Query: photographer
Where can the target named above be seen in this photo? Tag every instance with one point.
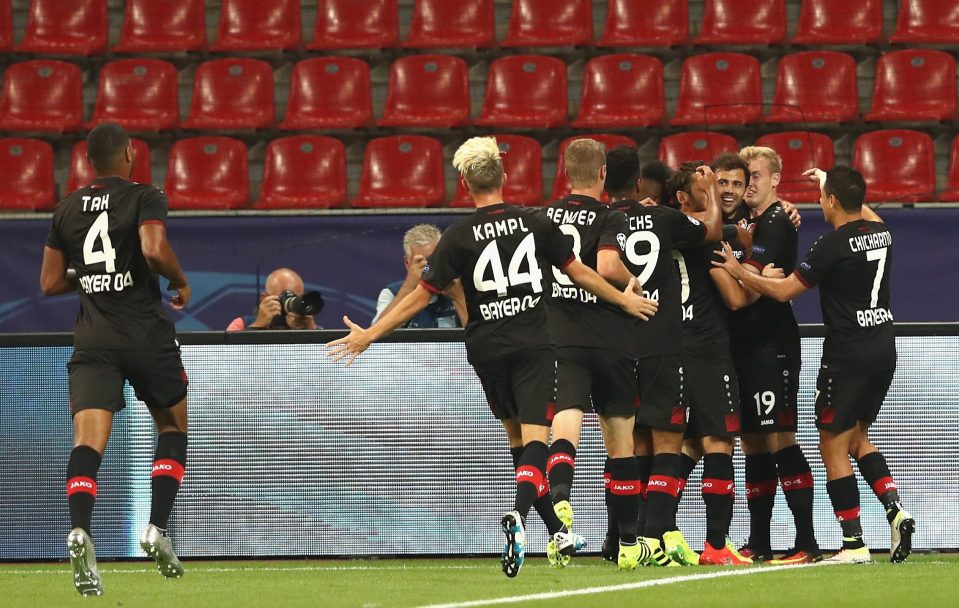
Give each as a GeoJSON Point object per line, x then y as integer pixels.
{"type": "Point", "coordinates": [284, 291]}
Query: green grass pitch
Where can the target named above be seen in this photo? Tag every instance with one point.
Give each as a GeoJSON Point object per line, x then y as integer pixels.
{"type": "Point", "coordinates": [925, 580]}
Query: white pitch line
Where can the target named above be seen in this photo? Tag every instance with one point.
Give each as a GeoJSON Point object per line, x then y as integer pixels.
{"type": "Point", "coordinates": [623, 587]}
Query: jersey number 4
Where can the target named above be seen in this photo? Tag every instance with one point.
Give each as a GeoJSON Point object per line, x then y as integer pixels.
{"type": "Point", "coordinates": [107, 255]}
{"type": "Point", "coordinates": [490, 261]}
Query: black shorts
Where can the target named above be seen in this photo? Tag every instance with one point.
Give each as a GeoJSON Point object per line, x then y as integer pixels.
{"type": "Point", "coordinates": [768, 391]}
{"type": "Point", "coordinates": [661, 385]}
{"type": "Point", "coordinates": [521, 385]}
{"type": "Point", "coordinates": [712, 395]}
{"type": "Point", "coordinates": [844, 399]}
{"type": "Point", "coordinates": [96, 378]}
{"type": "Point", "coordinates": [605, 378]}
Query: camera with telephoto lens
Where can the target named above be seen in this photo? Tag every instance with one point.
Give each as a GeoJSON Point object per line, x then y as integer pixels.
{"type": "Point", "coordinates": [308, 304]}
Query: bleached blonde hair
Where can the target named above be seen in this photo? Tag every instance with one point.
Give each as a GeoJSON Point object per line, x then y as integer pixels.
{"type": "Point", "coordinates": [478, 161]}
{"type": "Point", "coordinates": [772, 158]}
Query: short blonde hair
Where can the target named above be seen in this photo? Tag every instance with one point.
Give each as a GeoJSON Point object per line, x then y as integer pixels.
{"type": "Point", "coordinates": [478, 161]}
{"type": "Point", "coordinates": [421, 234]}
{"type": "Point", "coordinates": [583, 159]}
{"type": "Point", "coordinates": [772, 158]}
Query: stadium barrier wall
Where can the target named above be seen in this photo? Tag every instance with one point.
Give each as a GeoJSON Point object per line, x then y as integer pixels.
{"type": "Point", "coordinates": [293, 455]}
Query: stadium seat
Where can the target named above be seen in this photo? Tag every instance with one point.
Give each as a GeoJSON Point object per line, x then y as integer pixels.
{"type": "Point", "coordinates": [525, 91]}
{"type": "Point", "coordinates": [927, 22]}
{"type": "Point", "coordinates": [348, 24]}
{"type": "Point", "coordinates": [232, 94]}
{"type": "Point", "coordinates": [800, 150]}
{"type": "Point", "coordinates": [81, 172]}
{"type": "Point", "coordinates": [26, 167]}
{"type": "Point", "coordinates": [445, 24]}
{"type": "Point", "coordinates": [951, 193]}
{"type": "Point", "coordinates": [914, 85]}
{"type": "Point", "coordinates": [674, 150]}
{"type": "Point", "coordinates": [207, 173]}
{"type": "Point", "coordinates": [328, 93]}
{"type": "Point", "coordinates": [402, 171]}
{"type": "Point", "coordinates": [42, 95]}
{"type": "Point", "coordinates": [140, 94]}
{"type": "Point", "coordinates": [839, 22]}
{"type": "Point", "coordinates": [742, 22]}
{"type": "Point", "coordinates": [6, 26]}
{"type": "Point", "coordinates": [427, 91]}
{"type": "Point", "coordinates": [815, 86]}
{"type": "Point", "coordinates": [636, 24]}
{"type": "Point", "coordinates": [162, 26]}
{"type": "Point", "coordinates": [523, 164]}
{"type": "Point", "coordinates": [898, 165]}
{"type": "Point", "coordinates": [77, 27]}
{"type": "Point", "coordinates": [251, 25]}
{"type": "Point", "coordinates": [621, 91]}
{"type": "Point", "coordinates": [549, 23]}
{"type": "Point", "coordinates": [561, 186]}
{"type": "Point", "coordinates": [303, 172]}
{"type": "Point", "coordinates": [719, 89]}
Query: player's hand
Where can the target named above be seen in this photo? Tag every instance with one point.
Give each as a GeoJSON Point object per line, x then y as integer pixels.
{"type": "Point", "coordinates": [268, 310]}
{"type": "Point", "coordinates": [648, 202]}
{"type": "Point", "coordinates": [729, 263]}
{"type": "Point", "coordinates": [817, 175]}
{"type": "Point", "coordinates": [770, 270]}
{"type": "Point", "coordinates": [415, 270]}
{"type": "Point", "coordinates": [706, 173]}
{"type": "Point", "coordinates": [349, 346]}
{"type": "Point", "coordinates": [745, 238]}
{"type": "Point", "coordinates": [181, 299]}
{"type": "Point", "coordinates": [636, 304]}
{"type": "Point", "coordinates": [792, 212]}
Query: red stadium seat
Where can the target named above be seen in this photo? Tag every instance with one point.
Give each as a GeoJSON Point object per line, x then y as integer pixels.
{"type": "Point", "coordinates": [207, 173]}
{"type": "Point", "coordinates": [549, 23]}
{"type": "Point", "coordinates": [42, 95]}
{"type": "Point", "coordinates": [445, 24]}
{"type": "Point", "coordinates": [951, 193]}
{"type": "Point", "coordinates": [898, 165]}
{"type": "Point", "coordinates": [719, 89]}
{"type": "Point", "coordinates": [6, 26]}
{"type": "Point", "coordinates": [232, 94]}
{"type": "Point", "coordinates": [81, 172]}
{"type": "Point", "coordinates": [402, 171]}
{"type": "Point", "coordinates": [428, 91]}
{"type": "Point", "coordinates": [927, 22]}
{"type": "Point", "coordinates": [800, 150]}
{"type": "Point", "coordinates": [252, 25]}
{"type": "Point", "coordinates": [674, 150]}
{"type": "Point", "coordinates": [561, 186]}
{"type": "Point", "coordinates": [914, 85]}
{"type": "Point", "coordinates": [523, 164]}
{"type": "Point", "coordinates": [815, 86]}
{"type": "Point", "coordinates": [348, 24]}
{"type": "Point", "coordinates": [162, 26]}
{"type": "Point", "coordinates": [743, 22]}
{"type": "Point", "coordinates": [328, 93]}
{"type": "Point", "coordinates": [303, 172]}
{"type": "Point", "coordinates": [26, 175]}
{"type": "Point", "coordinates": [140, 94]}
{"type": "Point", "coordinates": [77, 27]}
{"type": "Point", "coordinates": [622, 91]}
{"type": "Point", "coordinates": [525, 91]}
{"type": "Point", "coordinates": [839, 22]}
{"type": "Point", "coordinates": [635, 24]}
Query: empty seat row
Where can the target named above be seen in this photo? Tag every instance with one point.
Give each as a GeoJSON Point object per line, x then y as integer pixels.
{"type": "Point", "coordinates": [309, 171]}
{"type": "Point", "coordinates": [619, 90]}
{"type": "Point", "coordinates": [80, 27]}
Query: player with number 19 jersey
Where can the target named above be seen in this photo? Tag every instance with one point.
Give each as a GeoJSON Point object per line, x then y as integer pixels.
{"type": "Point", "coordinates": [96, 228]}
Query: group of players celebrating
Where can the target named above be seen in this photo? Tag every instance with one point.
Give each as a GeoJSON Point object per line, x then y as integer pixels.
{"type": "Point", "coordinates": [667, 312]}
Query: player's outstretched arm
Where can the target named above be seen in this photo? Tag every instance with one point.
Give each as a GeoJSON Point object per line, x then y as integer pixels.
{"type": "Point", "coordinates": [783, 290]}
{"type": "Point", "coordinates": [159, 255]}
{"type": "Point", "coordinates": [53, 273]}
{"type": "Point", "coordinates": [609, 265]}
{"type": "Point", "coordinates": [713, 218]}
{"type": "Point", "coordinates": [628, 299]}
{"type": "Point", "coordinates": [359, 339]}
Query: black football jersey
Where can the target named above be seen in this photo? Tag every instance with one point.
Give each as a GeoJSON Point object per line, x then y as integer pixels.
{"type": "Point", "coordinates": [653, 233]}
{"type": "Point", "coordinates": [851, 266]}
{"type": "Point", "coordinates": [767, 328]}
{"type": "Point", "coordinates": [577, 317]}
{"type": "Point", "coordinates": [704, 313]}
{"type": "Point", "coordinates": [98, 230]}
{"type": "Point", "coordinates": [503, 256]}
